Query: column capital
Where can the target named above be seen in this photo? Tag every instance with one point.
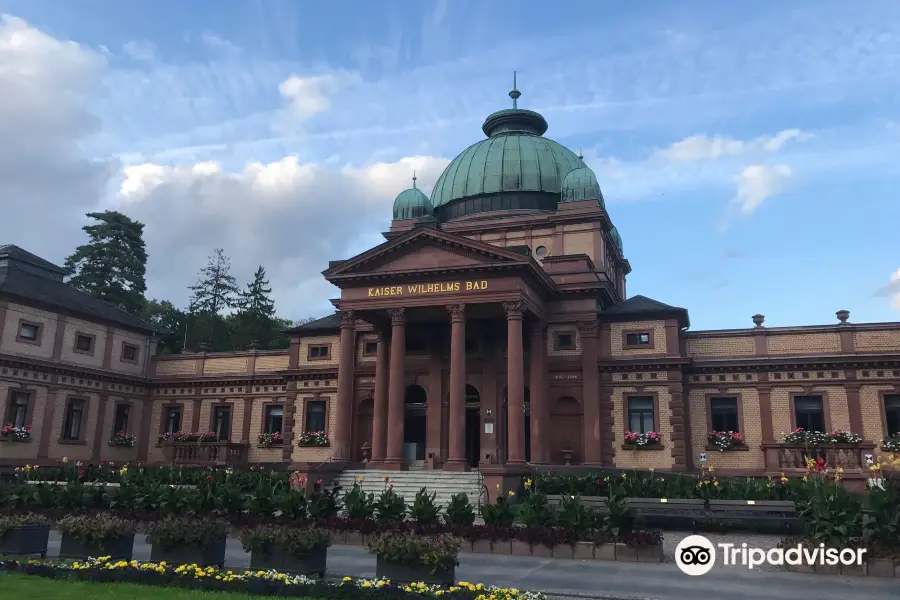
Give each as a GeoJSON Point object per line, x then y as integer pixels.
{"type": "Point", "coordinates": [348, 319]}
{"type": "Point", "coordinates": [513, 309]}
{"type": "Point", "coordinates": [589, 328]}
{"type": "Point", "coordinates": [457, 312]}
{"type": "Point", "coordinates": [398, 316]}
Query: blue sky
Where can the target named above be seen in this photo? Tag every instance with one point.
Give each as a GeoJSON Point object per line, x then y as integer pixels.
{"type": "Point", "coordinates": [747, 156]}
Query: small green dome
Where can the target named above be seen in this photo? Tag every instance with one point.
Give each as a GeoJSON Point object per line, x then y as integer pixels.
{"type": "Point", "coordinates": [412, 204]}
{"type": "Point", "coordinates": [617, 240]}
{"type": "Point", "coordinates": [581, 184]}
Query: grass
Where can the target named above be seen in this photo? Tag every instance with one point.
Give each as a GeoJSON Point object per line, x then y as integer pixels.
{"type": "Point", "coordinates": [32, 587]}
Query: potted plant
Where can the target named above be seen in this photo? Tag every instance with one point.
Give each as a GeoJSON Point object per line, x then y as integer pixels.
{"type": "Point", "coordinates": [267, 440]}
{"type": "Point", "coordinates": [24, 534]}
{"type": "Point", "coordinates": [891, 443]}
{"type": "Point", "coordinates": [187, 541]}
{"type": "Point", "coordinates": [123, 440]}
{"type": "Point", "coordinates": [300, 550]}
{"type": "Point", "coordinates": [93, 536]}
{"type": "Point", "coordinates": [16, 434]}
{"type": "Point", "coordinates": [406, 558]}
{"type": "Point", "coordinates": [725, 440]}
{"type": "Point", "coordinates": [313, 438]}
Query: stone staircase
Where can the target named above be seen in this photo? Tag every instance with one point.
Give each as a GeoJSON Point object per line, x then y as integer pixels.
{"type": "Point", "coordinates": [408, 483]}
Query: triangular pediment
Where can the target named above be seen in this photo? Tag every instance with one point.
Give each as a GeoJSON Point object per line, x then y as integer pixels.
{"type": "Point", "coordinates": [423, 250]}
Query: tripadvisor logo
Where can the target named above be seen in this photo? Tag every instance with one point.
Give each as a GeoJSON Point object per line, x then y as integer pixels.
{"type": "Point", "coordinates": [696, 555]}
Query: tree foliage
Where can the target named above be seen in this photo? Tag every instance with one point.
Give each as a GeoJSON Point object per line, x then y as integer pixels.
{"type": "Point", "coordinates": [112, 266]}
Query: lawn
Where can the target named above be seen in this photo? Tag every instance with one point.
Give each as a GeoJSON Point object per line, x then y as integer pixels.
{"type": "Point", "coordinates": [31, 587]}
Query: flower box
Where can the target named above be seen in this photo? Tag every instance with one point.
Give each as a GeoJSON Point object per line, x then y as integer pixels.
{"type": "Point", "coordinates": [123, 440]}
{"type": "Point", "coordinates": [269, 440]}
{"type": "Point", "coordinates": [210, 554]}
{"type": "Point", "coordinates": [25, 539]}
{"type": "Point", "coordinates": [404, 573]}
{"type": "Point", "coordinates": [820, 438]}
{"type": "Point", "coordinates": [274, 558]}
{"type": "Point", "coordinates": [641, 441]}
{"type": "Point", "coordinates": [185, 436]}
{"type": "Point", "coordinates": [313, 439]}
{"type": "Point", "coordinates": [723, 441]}
{"type": "Point", "coordinates": [892, 443]}
{"type": "Point", "coordinates": [118, 548]}
{"type": "Point", "coordinates": [16, 434]}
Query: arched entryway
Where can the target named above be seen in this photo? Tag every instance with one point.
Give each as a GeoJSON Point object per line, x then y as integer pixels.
{"type": "Point", "coordinates": [504, 423]}
{"type": "Point", "coordinates": [415, 426]}
{"type": "Point", "coordinates": [566, 434]}
{"type": "Point", "coordinates": [473, 425]}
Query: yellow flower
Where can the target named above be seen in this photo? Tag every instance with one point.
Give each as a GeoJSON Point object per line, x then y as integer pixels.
{"type": "Point", "coordinates": [527, 484]}
{"type": "Point", "coordinates": [366, 584]}
{"type": "Point", "coordinates": [624, 475]}
{"type": "Point", "coordinates": [498, 486]}
{"type": "Point", "coordinates": [511, 493]}
{"type": "Point", "coordinates": [652, 469]}
{"type": "Point", "coordinates": [65, 459]}
{"type": "Point", "coordinates": [716, 483]}
{"type": "Point", "coordinates": [346, 579]}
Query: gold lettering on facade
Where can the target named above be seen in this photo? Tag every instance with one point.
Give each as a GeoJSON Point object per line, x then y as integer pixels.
{"type": "Point", "coordinates": [428, 288]}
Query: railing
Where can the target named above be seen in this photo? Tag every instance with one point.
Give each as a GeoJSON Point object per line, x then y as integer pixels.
{"type": "Point", "coordinates": [207, 453]}
{"type": "Point", "coordinates": [792, 458]}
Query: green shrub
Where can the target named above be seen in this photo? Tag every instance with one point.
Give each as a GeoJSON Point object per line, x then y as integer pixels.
{"type": "Point", "coordinates": [459, 512]}
{"type": "Point", "coordinates": [439, 552]}
{"type": "Point", "coordinates": [8, 522]}
{"type": "Point", "coordinates": [424, 511]}
{"type": "Point", "coordinates": [185, 531]}
{"type": "Point", "coordinates": [296, 541]}
{"type": "Point", "coordinates": [359, 505]}
{"type": "Point", "coordinates": [95, 530]}
{"type": "Point", "coordinates": [389, 508]}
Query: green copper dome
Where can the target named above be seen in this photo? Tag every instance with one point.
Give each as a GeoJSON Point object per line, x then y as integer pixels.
{"type": "Point", "coordinates": [412, 203]}
{"type": "Point", "coordinates": [581, 184]}
{"type": "Point", "coordinates": [617, 240]}
{"type": "Point", "coordinates": [515, 168]}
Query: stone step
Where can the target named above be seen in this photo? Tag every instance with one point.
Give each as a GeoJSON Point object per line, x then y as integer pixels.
{"type": "Point", "coordinates": [443, 484]}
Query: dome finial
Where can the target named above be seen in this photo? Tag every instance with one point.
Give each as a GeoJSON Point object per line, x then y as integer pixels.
{"type": "Point", "coordinates": [514, 93]}
{"type": "Point", "coordinates": [414, 179]}
{"type": "Point", "coordinates": [580, 154]}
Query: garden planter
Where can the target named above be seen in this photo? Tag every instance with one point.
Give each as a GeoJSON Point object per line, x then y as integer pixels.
{"type": "Point", "coordinates": [213, 554]}
{"type": "Point", "coordinates": [880, 567]}
{"type": "Point", "coordinates": [355, 538]}
{"type": "Point", "coordinates": [542, 551]}
{"type": "Point", "coordinates": [119, 548]}
{"type": "Point", "coordinates": [503, 547]}
{"type": "Point", "coordinates": [26, 539]}
{"type": "Point", "coordinates": [583, 551]}
{"type": "Point", "coordinates": [312, 563]}
{"type": "Point", "coordinates": [626, 553]}
{"type": "Point", "coordinates": [400, 573]}
{"type": "Point", "coordinates": [482, 547]}
{"type": "Point", "coordinates": [649, 554]}
{"type": "Point", "coordinates": [520, 548]}
{"type": "Point", "coordinates": [563, 551]}
{"type": "Point", "coordinates": [605, 552]}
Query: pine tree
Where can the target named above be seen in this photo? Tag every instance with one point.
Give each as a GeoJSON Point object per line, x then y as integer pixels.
{"type": "Point", "coordinates": [214, 292]}
{"type": "Point", "coordinates": [255, 318]}
{"type": "Point", "coordinates": [112, 266]}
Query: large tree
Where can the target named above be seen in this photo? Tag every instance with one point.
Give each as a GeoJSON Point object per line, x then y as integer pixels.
{"type": "Point", "coordinates": [169, 323]}
{"type": "Point", "coordinates": [112, 266]}
{"type": "Point", "coordinates": [215, 291]}
{"type": "Point", "coordinates": [255, 316]}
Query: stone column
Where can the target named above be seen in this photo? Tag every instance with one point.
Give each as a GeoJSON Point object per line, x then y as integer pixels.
{"type": "Point", "coordinates": [396, 390]}
{"type": "Point", "coordinates": [515, 384]}
{"type": "Point", "coordinates": [456, 460]}
{"type": "Point", "coordinates": [344, 415]}
{"type": "Point", "coordinates": [590, 392]}
{"type": "Point", "coordinates": [540, 405]}
{"type": "Point", "coordinates": [380, 406]}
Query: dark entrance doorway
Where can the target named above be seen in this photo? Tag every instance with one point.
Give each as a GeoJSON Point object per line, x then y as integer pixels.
{"type": "Point", "coordinates": [415, 426]}
{"type": "Point", "coordinates": [473, 425]}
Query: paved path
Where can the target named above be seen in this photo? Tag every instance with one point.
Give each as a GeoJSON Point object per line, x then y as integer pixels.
{"type": "Point", "coordinates": [620, 580]}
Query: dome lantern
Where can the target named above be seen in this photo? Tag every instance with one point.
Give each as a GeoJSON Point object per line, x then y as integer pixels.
{"type": "Point", "coordinates": [412, 203]}
{"type": "Point", "coordinates": [581, 184]}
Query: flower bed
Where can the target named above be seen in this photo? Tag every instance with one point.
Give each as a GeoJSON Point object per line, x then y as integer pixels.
{"type": "Point", "coordinates": [725, 440]}
{"type": "Point", "coordinates": [640, 441]}
{"type": "Point", "coordinates": [313, 438]}
{"type": "Point", "coordinates": [263, 583]}
{"type": "Point", "coordinates": [815, 438]}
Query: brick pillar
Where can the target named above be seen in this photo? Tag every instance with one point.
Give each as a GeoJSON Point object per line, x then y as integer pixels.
{"type": "Point", "coordinates": [681, 423]}
{"type": "Point", "coordinates": [607, 447]}
{"type": "Point", "coordinates": [540, 405]}
{"type": "Point", "coordinates": [590, 392]}
{"type": "Point", "coordinates": [380, 406]}
{"type": "Point", "coordinates": [396, 390]}
{"type": "Point", "coordinates": [515, 384]}
{"type": "Point", "coordinates": [346, 359]}
{"type": "Point", "coordinates": [456, 459]}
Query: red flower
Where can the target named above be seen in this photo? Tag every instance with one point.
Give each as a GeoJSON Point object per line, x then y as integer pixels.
{"type": "Point", "coordinates": [318, 482]}
{"type": "Point", "coordinates": [81, 474]}
{"type": "Point", "coordinates": [209, 477]}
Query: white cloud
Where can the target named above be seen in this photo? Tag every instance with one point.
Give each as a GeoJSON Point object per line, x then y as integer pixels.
{"type": "Point", "coordinates": [758, 182]}
{"type": "Point", "coordinates": [705, 147]}
{"type": "Point", "coordinates": [892, 290]}
{"type": "Point", "coordinates": [215, 42]}
{"type": "Point", "coordinates": [142, 51]}
{"type": "Point", "coordinates": [308, 96]}
{"type": "Point", "coordinates": [292, 217]}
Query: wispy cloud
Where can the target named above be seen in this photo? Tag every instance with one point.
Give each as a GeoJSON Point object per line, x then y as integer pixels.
{"type": "Point", "coordinates": [220, 44]}
{"type": "Point", "coordinates": [140, 51]}
{"type": "Point", "coordinates": [703, 147]}
{"type": "Point", "coordinates": [891, 290]}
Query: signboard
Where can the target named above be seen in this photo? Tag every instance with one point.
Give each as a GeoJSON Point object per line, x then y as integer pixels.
{"type": "Point", "coordinates": [424, 289]}
{"type": "Point", "coordinates": [489, 428]}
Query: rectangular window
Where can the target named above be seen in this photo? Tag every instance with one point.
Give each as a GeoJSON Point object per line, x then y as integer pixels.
{"type": "Point", "coordinates": [84, 344]}
{"type": "Point", "coordinates": [637, 339]}
{"type": "Point", "coordinates": [892, 414]}
{"type": "Point", "coordinates": [319, 352]}
{"type": "Point", "coordinates": [29, 332]}
{"type": "Point", "coordinates": [723, 414]}
{"type": "Point", "coordinates": [274, 418]}
{"type": "Point", "coordinates": [565, 341]}
{"type": "Point", "coordinates": [129, 352]}
{"type": "Point", "coordinates": [370, 348]}
{"type": "Point", "coordinates": [640, 414]}
{"type": "Point", "coordinates": [315, 416]}
{"type": "Point", "coordinates": [17, 412]}
{"type": "Point", "coordinates": [809, 413]}
{"type": "Point", "coordinates": [120, 422]}
{"type": "Point", "coordinates": [173, 419]}
{"type": "Point", "coordinates": [74, 421]}
{"type": "Point", "coordinates": [222, 423]}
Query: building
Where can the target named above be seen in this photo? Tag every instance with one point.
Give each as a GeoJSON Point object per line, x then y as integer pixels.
{"type": "Point", "coordinates": [491, 330]}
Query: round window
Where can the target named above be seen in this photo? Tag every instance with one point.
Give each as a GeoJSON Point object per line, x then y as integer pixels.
{"type": "Point", "coordinates": [540, 251]}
